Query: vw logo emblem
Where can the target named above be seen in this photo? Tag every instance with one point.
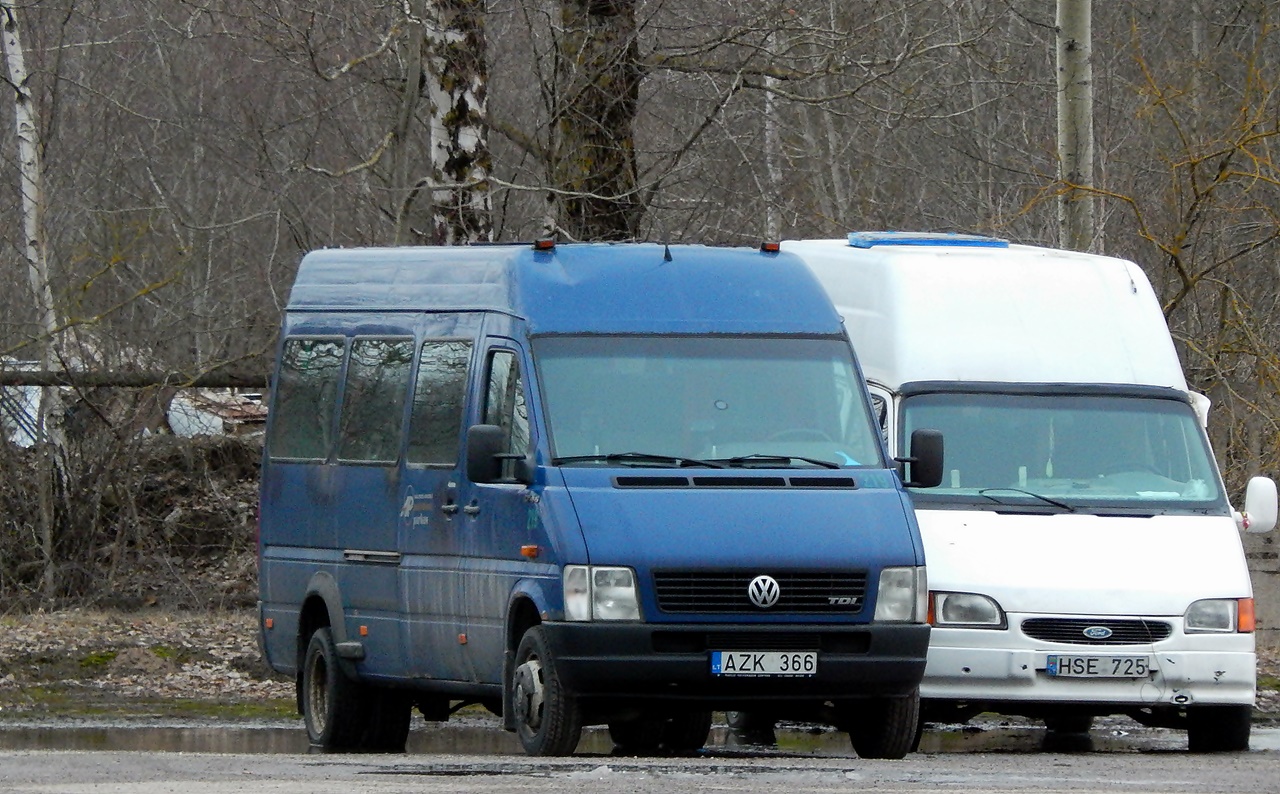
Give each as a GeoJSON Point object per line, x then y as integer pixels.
{"type": "Point", "coordinates": [1097, 632]}
{"type": "Point", "coordinates": [763, 591]}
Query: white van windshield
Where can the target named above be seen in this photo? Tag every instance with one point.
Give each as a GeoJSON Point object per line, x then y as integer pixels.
{"type": "Point", "coordinates": [686, 400]}
{"type": "Point", "coordinates": [1078, 450]}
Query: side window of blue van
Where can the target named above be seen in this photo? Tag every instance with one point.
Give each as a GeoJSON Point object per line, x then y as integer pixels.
{"type": "Point", "coordinates": [306, 398]}
{"type": "Point", "coordinates": [373, 400]}
{"type": "Point", "coordinates": [505, 405]}
{"type": "Point", "coordinates": [438, 399]}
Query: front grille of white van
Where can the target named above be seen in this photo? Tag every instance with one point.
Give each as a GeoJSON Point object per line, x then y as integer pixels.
{"type": "Point", "coordinates": [1087, 631]}
{"type": "Point", "coordinates": [721, 592]}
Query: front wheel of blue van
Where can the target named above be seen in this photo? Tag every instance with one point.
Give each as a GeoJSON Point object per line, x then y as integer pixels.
{"type": "Point", "coordinates": [884, 727]}
{"type": "Point", "coordinates": [332, 706]}
{"type": "Point", "coordinates": [548, 718]}
{"type": "Point", "coordinates": [1219, 729]}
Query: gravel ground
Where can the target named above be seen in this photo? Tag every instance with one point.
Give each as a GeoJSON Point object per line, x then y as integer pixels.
{"type": "Point", "coordinates": [70, 662]}
{"type": "Point", "coordinates": [63, 661]}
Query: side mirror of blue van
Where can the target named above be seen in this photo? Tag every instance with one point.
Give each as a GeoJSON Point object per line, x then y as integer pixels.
{"type": "Point", "coordinates": [485, 444]}
{"type": "Point", "coordinates": [486, 455]}
{"type": "Point", "coordinates": [925, 460]}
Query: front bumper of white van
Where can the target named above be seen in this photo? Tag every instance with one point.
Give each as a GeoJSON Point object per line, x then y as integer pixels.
{"type": "Point", "coordinates": [994, 667]}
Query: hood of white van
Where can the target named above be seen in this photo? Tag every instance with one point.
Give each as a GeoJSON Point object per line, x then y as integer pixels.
{"type": "Point", "coordinates": [1078, 564]}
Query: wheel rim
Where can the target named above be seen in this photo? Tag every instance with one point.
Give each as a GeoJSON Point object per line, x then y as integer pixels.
{"type": "Point", "coordinates": [318, 694]}
{"type": "Point", "coordinates": [528, 694]}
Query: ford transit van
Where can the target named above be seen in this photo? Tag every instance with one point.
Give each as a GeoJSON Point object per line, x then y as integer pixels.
{"type": "Point", "coordinates": [1084, 559]}
{"type": "Point", "coordinates": [583, 484]}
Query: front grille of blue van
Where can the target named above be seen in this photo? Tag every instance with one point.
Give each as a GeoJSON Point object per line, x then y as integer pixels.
{"type": "Point", "coordinates": [726, 592]}
{"type": "Point", "coordinates": [1073, 630]}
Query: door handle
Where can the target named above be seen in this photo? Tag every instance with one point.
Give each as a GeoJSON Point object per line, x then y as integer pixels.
{"type": "Point", "coordinates": [472, 509]}
{"type": "Point", "coordinates": [449, 508]}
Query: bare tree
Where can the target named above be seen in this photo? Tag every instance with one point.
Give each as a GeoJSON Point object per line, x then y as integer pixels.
{"type": "Point", "coordinates": [458, 87]}
{"type": "Point", "coordinates": [1075, 123]}
{"type": "Point", "coordinates": [48, 434]}
{"type": "Point", "coordinates": [593, 161]}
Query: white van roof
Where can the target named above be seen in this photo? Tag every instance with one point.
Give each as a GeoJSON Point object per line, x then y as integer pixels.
{"type": "Point", "coordinates": [929, 307]}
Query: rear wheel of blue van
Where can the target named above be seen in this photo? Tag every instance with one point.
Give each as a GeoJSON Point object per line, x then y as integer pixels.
{"type": "Point", "coordinates": [343, 714]}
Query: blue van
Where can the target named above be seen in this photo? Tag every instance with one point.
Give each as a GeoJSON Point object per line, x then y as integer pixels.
{"type": "Point", "coordinates": [583, 484]}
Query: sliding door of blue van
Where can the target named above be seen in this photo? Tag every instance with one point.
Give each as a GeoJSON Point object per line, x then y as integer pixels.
{"type": "Point", "coordinates": [431, 522]}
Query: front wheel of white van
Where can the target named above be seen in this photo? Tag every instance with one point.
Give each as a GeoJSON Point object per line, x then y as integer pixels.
{"type": "Point", "coordinates": [1219, 729]}
{"type": "Point", "coordinates": [885, 727]}
{"type": "Point", "coordinates": [332, 706]}
{"type": "Point", "coordinates": [548, 719]}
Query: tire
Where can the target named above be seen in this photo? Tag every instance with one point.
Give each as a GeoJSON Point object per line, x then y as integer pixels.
{"type": "Point", "coordinates": [748, 721]}
{"type": "Point", "coordinates": [636, 735]}
{"type": "Point", "coordinates": [683, 732]}
{"type": "Point", "coordinates": [1069, 723]}
{"type": "Point", "coordinates": [752, 728]}
{"type": "Point", "coordinates": [1219, 729]}
{"type": "Point", "coordinates": [919, 734]}
{"type": "Point", "coordinates": [885, 727]}
{"type": "Point", "coordinates": [547, 718]}
{"type": "Point", "coordinates": [333, 707]}
{"type": "Point", "coordinates": [387, 722]}
{"type": "Point", "coordinates": [686, 732]}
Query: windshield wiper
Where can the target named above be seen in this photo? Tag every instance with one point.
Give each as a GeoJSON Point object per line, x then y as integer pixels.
{"type": "Point", "coordinates": [1041, 497]}
{"type": "Point", "coordinates": [761, 457]}
{"type": "Point", "coordinates": [638, 459]}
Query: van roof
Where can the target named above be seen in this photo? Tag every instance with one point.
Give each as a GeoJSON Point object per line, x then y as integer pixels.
{"type": "Point", "coordinates": [577, 288]}
{"type": "Point", "coordinates": [927, 307]}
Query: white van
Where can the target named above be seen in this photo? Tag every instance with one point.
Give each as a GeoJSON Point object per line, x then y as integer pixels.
{"type": "Point", "coordinates": [1083, 557]}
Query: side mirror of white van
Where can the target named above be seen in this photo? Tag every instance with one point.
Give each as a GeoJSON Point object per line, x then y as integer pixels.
{"type": "Point", "coordinates": [1259, 506]}
{"type": "Point", "coordinates": [925, 460]}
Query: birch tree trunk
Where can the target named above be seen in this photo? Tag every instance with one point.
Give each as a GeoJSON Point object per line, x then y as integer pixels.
{"type": "Point", "coordinates": [460, 160]}
{"type": "Point", "coordinates": [1075, 124]}
{"type": "Point", "coordinates": [48, 430]}
{"type": "Point", "coordinates": [773, 185]}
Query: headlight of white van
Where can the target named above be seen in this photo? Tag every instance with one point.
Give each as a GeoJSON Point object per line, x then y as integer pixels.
{"type": "Point", "coordinates": [903, 595]}
{"type": "Point", "coordinates": [968, 610]}
{"type": "Point", "coordinates": [597, 592]}
{"type": "Point", "coordinates": [1210, 615]}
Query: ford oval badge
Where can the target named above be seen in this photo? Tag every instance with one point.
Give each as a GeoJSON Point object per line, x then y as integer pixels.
{"type": "Point", "coordinates": [1097, 632]}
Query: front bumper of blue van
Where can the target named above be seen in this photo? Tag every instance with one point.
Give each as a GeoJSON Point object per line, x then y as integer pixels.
{"type": "Point", "coordinates": [673, 661]}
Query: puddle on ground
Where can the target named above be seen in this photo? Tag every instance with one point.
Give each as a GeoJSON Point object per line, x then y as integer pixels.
{"type": "Point", "coordinates": [486, 739]}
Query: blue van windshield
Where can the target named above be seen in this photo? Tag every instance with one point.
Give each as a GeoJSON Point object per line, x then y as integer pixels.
{"type": "Point", "coordinates": [737, 401]}
{"type": "Point", "coordinates": [1080, 450]}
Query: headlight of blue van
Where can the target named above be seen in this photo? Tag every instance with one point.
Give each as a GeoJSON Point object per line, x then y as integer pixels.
{"type": "Point", "coordinates": [903, 595]}
{"type": "Point", "coordinates": [598, 592]}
